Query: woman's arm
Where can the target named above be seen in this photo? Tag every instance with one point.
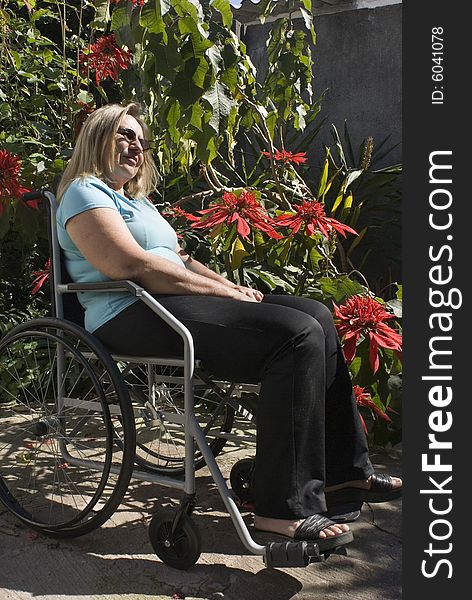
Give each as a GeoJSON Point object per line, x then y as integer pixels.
{"type": "Point", "coordinates": [107, 244]}
{"type": "Point", "coordinates": [197, 267]}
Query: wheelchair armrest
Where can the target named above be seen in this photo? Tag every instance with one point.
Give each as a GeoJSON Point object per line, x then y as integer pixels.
{"type": "Point", "coordinates": [124, 285]}
{"type": "Point", "coordinates": [33, 195]}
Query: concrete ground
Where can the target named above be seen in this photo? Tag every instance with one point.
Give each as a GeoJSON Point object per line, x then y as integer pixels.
{"type": "Point", "coordinates": [117, 561]}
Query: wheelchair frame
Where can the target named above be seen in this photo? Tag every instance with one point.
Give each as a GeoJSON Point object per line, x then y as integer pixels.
{"type": "Point", "coordinates": [167, 530]}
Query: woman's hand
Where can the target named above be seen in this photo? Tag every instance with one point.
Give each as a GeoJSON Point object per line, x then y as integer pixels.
{"type": "Point", "coordinates": [240, 292]}
{"type": "Point", "coordinates": [251, 295]}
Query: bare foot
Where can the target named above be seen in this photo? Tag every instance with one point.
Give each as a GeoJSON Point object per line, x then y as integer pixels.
{"type": "Point", "coordinates": [362, 484]}
{"type": "Point", "coordinates": [288, 527]}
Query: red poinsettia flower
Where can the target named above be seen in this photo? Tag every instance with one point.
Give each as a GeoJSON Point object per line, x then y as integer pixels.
{"type": "Point", "coordinates": [105, 58]}
{"type": "Point", "coordinates": [41, 276]}
{"type": "Point", "coordinates": [310, 217]}
{"type": "Point", "coordinates": [10, 187]}
{"type": "Point", "coordinates": [362, 315]}
{"type": "Point", "coordinates": [244, 210]}
{"type": "Point", "coordinates": [288, 157]}
{"type": "Point", "coordinates": [176, 211]}
{"type": "Point", "coordinates": [363, 398]}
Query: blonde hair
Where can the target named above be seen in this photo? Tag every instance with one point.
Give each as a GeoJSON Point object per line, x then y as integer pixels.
{"type": "Point", "coordinates": [94, 152]}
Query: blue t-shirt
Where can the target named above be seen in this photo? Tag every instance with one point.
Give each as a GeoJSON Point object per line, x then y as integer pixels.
{"type": "Point", "coordinates": [152, 232]}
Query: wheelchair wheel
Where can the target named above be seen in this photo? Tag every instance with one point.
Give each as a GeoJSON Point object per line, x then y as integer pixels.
{"type": "Point", "coordinates": [160, 443]}
{"type": "Point", "coordinates": [60, 392]}
{"type": "Point", "coordinates": [180, 548]}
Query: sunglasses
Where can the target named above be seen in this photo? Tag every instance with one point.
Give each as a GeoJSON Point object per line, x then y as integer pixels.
{"type": "Point", "coordinates": [131, 137]}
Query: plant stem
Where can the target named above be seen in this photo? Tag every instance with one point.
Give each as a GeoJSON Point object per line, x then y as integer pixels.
{"type": "Point", "coordinates": [270, 144]}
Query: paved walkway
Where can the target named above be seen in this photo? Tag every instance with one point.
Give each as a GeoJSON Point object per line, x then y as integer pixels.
{"type": "Point", "coordinates": [117, 561]}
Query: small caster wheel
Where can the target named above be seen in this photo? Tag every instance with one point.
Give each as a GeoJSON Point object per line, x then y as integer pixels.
{"type": "Point", "coordinates": [242, 478]}
{"type": "Point", "coordinates": [180, 550]}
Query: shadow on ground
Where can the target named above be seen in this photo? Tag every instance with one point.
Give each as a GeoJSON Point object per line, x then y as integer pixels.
{"type": "Point", "coordinates": [118, 561]}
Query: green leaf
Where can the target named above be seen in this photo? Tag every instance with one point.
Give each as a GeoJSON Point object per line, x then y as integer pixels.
{"type": "Point", "coordinates": [348, 201]}
{"type": "Point", "coordinates": [238, 254]}
{"type": "Point", "coordinates": [192, 8]}
{"type": "Point", "coordinates": [4, 17]}
{"type": "Point", "coordinates": [307, 5]}
{"type": "Point", "coordinates": [173, 116]}
{"type": "Point", "coordinates": [224, 8]}
{"type": "Point", "coordinates": [5, 110]}
{"type": "Point", "coordinates": [205, 144]}
{"type": "Point", "coordinates": [299, 117]}
{"type": "Point", "coordinates": [221, 105]}
{"type": "Point", "coordinates": [214, 56]}
{"type": "Point", "coordinates": [274, 281]}
{"type": "Point", "coordinates": [231, 235]}
{"type": "Point", "coordinates": [85, 97]}
{"type": "Point", "coordinates": [184, 89]}
{"type": "Point", "coordinates": [16, 58]}
{"type": "Point", "coordinates": [229, 77]}
{"type": "Point", "coordinates": [324, 177]}
{"type": "Point", "coordinates": [271, 122]}
{"type": "Point", "coordinates": [196, 117]}
{"type": "Point", "coordinates": [247, 120]}
{"type": "Point", "coordinates": [164, 6]}
{"type": "Point", "coordinates": [340, 287]}
{"type": "Point", "coordinates": [196, 69]}
{"type": "Point", "coordinates": [167, 58]}
{"type": "Point", "coordinates": [102, 15]}
{"type": "Point", "coordinates": [151, 19]}
{"type": "Point", "coordinates": [315, 257]}
{"type": "Point", "coordinates": [355, 366]}
{"type": "Point", "coordinates": [396, 306]}
{"type": "Point", "coordinates": [120, 17]}
{"type": "Point", "coordinates": [338, 200]}
{"type": "Point", "coordinates": [353, 175]}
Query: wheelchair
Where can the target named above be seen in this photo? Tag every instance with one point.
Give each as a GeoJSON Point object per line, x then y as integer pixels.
{"type": "Point", "coordinates": [77, 423]}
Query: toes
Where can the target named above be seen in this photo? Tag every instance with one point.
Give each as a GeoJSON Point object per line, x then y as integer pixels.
{"type": "Point", "coordinates": [397, 482]}
{"type": "Point", "coordinates": [333, 530]}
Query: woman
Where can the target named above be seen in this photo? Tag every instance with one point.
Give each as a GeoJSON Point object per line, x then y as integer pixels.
{"type": "Point", "coordinates": [311, 448]}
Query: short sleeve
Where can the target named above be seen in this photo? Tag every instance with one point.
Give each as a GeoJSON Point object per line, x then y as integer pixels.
{"type": "Point", "coordinates": [83, 195]}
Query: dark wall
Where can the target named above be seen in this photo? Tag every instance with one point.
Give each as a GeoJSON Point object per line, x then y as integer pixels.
{"type": "Point", "coordinates": [358, 59]}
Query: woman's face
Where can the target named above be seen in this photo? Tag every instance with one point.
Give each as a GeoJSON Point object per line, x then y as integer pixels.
{"type": "Point", "coordinates": [129, 154]}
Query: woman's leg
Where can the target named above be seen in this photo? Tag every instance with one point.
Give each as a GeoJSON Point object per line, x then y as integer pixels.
{"type": "Point", "coordinates": [347, 453]}
{"type": "Point", "coordinates": [280, 346]}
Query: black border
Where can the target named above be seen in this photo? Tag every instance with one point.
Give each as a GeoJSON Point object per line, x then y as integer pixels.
{"type": "Point", "coordinates": [427, 128]}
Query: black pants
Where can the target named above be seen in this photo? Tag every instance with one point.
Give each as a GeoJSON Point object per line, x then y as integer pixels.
{"type": "Point", "coordinates": [308, 428]}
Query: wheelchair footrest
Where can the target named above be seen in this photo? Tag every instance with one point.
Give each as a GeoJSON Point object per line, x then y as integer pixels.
{"type": "Point", "coordinates": [292, 554]}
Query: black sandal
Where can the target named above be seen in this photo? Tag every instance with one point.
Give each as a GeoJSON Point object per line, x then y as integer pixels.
{"type": "Point", "coordinates": [309, 530]}
{"type": "Point", "coordinates": [381, 490]}
{"type": "Point", "coordinates": [344, 513]}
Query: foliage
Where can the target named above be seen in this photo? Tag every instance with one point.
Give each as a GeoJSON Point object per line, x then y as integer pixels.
{"type": "Point", "coordinates": [42, 94]}
{"type": "Point", "coordinates": [374, 206]}
{"type": "Point", "coordinates": [196, 80]}
{"type": "Point", "coordinates": [41, 86]}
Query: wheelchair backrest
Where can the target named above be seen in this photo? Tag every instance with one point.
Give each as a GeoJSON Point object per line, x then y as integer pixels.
{"type": "Point", "coordinates": [67, 305]}
{"type": "Point", "coordinates": [72, 309]}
